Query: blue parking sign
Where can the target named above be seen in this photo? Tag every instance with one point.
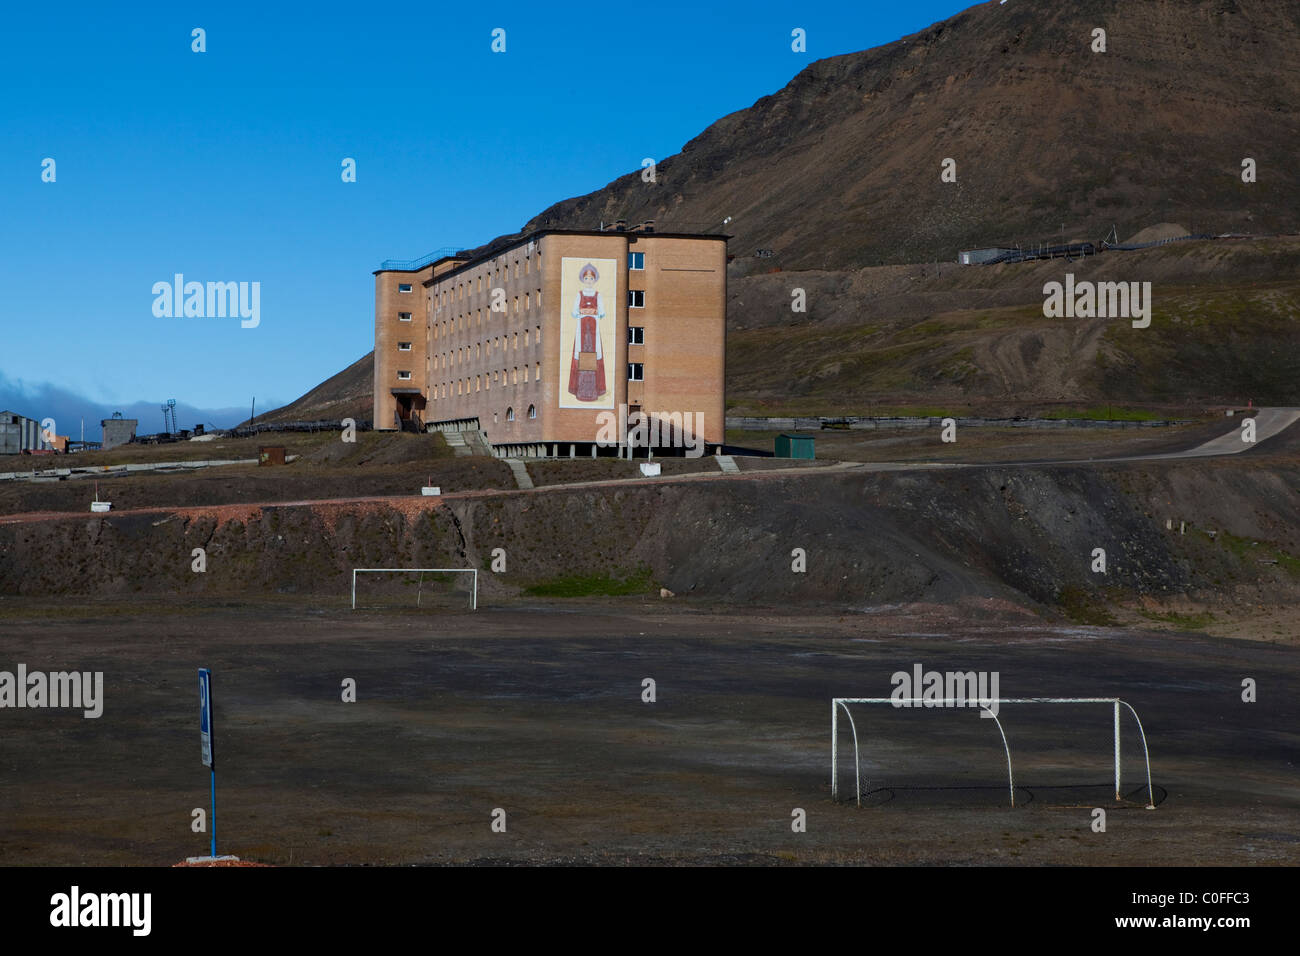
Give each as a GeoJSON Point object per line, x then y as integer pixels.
{"type": "Point", "coordinates": [205, 717]}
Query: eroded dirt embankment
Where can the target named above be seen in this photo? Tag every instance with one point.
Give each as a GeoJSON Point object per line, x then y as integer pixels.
{"type": "Point", "coordinates": [1024, 534]}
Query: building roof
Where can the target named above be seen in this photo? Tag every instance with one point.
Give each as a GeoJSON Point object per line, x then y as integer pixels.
{"type": "Point", "coordinates": [466, 262]}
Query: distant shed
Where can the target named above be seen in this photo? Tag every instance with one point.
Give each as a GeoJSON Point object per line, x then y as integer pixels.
{"type": "Point", "coordinates": [975, 257]}
{"type": "Point", "coordinates": [271, 455]}
{"type": "Point", "coordinates": [795, 446]}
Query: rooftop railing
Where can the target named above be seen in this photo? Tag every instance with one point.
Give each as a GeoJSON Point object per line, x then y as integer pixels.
{"type": "Point", "coordinates": [411, 265]}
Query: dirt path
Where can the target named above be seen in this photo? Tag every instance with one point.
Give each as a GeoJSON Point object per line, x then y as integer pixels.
{"type": "Point", "coordinates": [1269, 423]}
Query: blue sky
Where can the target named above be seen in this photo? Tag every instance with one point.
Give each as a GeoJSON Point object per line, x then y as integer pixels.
{"type": "Point", "coordinates": [225, 165]}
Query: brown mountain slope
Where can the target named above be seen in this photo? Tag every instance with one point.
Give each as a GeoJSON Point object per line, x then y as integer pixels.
{"type": "Point", "coordinates": [841, 168]}
{"type": "Point", "coordinates": [349, 394]}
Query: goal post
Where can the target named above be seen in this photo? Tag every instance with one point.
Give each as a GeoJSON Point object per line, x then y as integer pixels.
{"type": "Point", "coordinates": [473, 598]}
{"type": "Point", "coordinates": [838, 703]}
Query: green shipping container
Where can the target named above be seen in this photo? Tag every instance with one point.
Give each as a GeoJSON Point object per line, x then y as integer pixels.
{"type": "Point", "coordinates": [795, 446]}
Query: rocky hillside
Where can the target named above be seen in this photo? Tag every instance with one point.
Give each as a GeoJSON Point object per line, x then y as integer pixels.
{"type": "Point", "coordinates": [841, 168]}
{"type": "Point", "coordinates": [349, 394]}
{"type": "Point", "coordinates": [1019, 534]}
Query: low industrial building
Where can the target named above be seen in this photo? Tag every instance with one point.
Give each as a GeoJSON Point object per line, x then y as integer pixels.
{"type": "Point", "coordinates": [117, 431]}
{"type": "Point", "coordinates": [18, 434]}
{"type": "Point", "coordinates": [543, 344]}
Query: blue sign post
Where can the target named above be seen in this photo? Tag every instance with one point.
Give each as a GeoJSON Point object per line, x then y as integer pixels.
{"type": "Point", "coordinates": [208, 753]}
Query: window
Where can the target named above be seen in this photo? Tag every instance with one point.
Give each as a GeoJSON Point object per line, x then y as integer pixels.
{"type": "Point", "coordinates": [635, 335]}
{"type": "Point", "coordinates": [636, 298]}
{"type": "Point", "coordinates": [532, 411]}
{"type": "Point", "coordinates": [403, 346]}
{"type": "Point", "coordinates": [404, 316]}
{"type": "Point", "coordinates": [635, 372]}
{"type": "Point", "coordinates": [404, 376]}
{"type": "Point", "coordinates": [636, 260]}
{"type": "Point", "coordinates": [404, 287]}
{"type": "Point", "coordinates": [510, 414]}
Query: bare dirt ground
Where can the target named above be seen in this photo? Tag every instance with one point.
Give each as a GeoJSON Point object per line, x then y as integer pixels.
{"type": "Point", "coordinates": [538, 710]}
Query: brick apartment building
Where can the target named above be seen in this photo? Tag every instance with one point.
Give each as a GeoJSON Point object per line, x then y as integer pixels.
{"type": "Point", "coordinates": [530, 343]}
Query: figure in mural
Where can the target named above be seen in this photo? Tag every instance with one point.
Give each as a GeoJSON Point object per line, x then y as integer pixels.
{"type": "Point", "coordinates": [587, 369]}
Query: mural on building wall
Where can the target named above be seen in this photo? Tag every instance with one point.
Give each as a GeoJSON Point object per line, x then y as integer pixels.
{"type": "Point", "coordinates": [588, 314]}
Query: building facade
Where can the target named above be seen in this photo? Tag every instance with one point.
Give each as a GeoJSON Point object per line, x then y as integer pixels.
{"type": "Point", "coordinates": [542, 344]}
{"type": "Point", "coordinates": [117, 431]}
{"type": "Point", "coordinates": [18, 434]}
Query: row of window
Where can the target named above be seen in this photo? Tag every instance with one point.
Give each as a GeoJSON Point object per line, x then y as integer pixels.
{"type": "Point", "coordinates": [635, 336]}
{"type": "Point", "coordinates": [635, 261]}
{"type": "Point", "coordinates": [459, 290]}
{"type": "Point", "coordinates": [635, 373]}
{"type": "Point", "coordinates": [457, 356]}
{"type": "Point", "coordinates": [510, 413]}
{"type": "Point", "coordinates": [511, 308]}
{"type": "Point", "coordinates": [635, 300]}
{"type": "Point", "coordinates": [484, 381]}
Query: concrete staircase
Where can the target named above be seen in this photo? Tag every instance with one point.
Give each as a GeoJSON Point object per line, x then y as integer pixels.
{"type": "Point", "coordinates": [467, 443]}
{"type": "Point", "coordinates": [474, 441]}
{"type": "Point", "coordinates": [727, 464]}
{"type": "Point", "coordinates": [456, 442]}
{"type": "Point", "coordinates": [520, 471]}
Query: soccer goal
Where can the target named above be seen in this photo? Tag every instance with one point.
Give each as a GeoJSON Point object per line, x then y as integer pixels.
{"type": "Point", "coordinates": [417, 587]}
{"type": "Point", "coordinates": [842, 703]}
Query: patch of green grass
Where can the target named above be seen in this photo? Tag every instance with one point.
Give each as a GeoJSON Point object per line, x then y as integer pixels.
{"type": "Point", "coordinates": [1082, 608]}
{"type": "Point", "coordinates": [1244, 549]}
{"type": "Point", "coordinates": [1184, 622]}
{"type": "Point", "coordinates": [593, 585]}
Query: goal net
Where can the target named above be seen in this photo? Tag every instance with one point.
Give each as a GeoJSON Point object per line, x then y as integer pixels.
{"type": "Point", "coordinates": [415, 588]}
{"type": "Point", "coordinates": [842, 706]}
